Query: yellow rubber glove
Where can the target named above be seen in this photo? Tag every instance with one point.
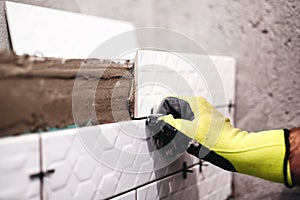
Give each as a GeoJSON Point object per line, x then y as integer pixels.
{"type": "Point", "coordinates": [263, 154]}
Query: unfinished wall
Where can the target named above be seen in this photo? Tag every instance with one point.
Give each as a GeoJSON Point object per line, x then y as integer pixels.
{"type": "Point", "coordinates": [51, 96]}
{"type": "Point", "coordinates": [263, 36]}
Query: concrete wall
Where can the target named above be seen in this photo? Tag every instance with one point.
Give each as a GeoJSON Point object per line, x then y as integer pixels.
{"type": "Point", "coordinates": [264, 37]}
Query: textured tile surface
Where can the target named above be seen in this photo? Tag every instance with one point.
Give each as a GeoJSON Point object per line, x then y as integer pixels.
{"type": "Point", "coordinates": [127, 196]}
{"type": "Point", "coordinates": [215, 183]}
{"type": "Point", "coordinates": [19, 157]}
{"type": "Point", "coordinates": [159, 73]}
{"type": "Point", "coordinates": [212, 183]}
{"type": "Point", "coordinates": [123, 161]}
{"type": "Point", "coordinates": [172, 187]}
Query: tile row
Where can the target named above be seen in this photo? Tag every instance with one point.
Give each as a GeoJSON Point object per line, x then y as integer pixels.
{"type": "Point", "coordinates": [159, 73]}
{"type": "Point", "coordinates": [84, 166]}
{"type": "Point", "coordinates": [213, 183]}
{"type": "Point", "coordinates": [91, 162]}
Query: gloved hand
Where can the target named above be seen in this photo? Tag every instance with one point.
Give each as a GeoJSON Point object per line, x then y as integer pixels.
{"type": "Point", "coordinates": [264, 154]}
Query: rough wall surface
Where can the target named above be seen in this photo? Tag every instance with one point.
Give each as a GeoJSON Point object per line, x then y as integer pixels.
{"type": "Point", "coordinates": [264, 37]}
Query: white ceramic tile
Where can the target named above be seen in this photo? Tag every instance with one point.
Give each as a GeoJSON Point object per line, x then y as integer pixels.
{"type": "Point", "coordinates": [173, 187]}
{"type": "Point", "coordinates": [126, 196]}
{"type": "Point", "coordinates": [212, 183]}
{"type": "Point", "coordinates": [124, 163]}
{"type": "Point", "coordinates": [160, 73]}
{"type": "Point", "coordinates": [226, 67]}
{"type": "Point", "coordinates": [56, 33]}
{"type": "Point", "coordinates": [215, 183]}
{"type": "Point", "coordinates": [19, 158]}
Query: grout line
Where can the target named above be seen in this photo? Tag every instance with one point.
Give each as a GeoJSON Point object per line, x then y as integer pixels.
{"type": "Point", "coordinates": [235, 91]}
{"type": "Point", "coordinates": [225, 105]}
{"type": "Point", "coordinates": [41, 166]}
{"type": "Point", "coordinates": [155, 180]}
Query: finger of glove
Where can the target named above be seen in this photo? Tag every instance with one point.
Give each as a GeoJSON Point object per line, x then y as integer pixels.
{"type": "Point", "coordinates": [196, 105]}
{"type": "Point", "coordinates": [178, 108]}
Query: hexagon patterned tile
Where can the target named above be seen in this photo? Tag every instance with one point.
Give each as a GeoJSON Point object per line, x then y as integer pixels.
{"type": "Point", "coordinates": [99, 162]}
{"type": "Point", "coordinates": [159, 73]}
{"type": "Point", "coordinates": [127, 196]}
{"type": "Point", "coordinates": [212, 183]}
{"type": "Point", "coordinates": [19, 159]}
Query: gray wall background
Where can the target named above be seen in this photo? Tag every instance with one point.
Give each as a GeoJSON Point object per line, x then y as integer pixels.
{"type": "Point", "coordinates": [263, 36]}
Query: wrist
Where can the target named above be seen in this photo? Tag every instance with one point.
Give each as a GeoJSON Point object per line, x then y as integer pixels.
{"type": "Point", "coordinates": [294, 160]}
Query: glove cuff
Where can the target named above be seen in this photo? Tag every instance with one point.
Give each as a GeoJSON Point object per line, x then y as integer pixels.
{"type": "Point", "coordinates": [286, 167]}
